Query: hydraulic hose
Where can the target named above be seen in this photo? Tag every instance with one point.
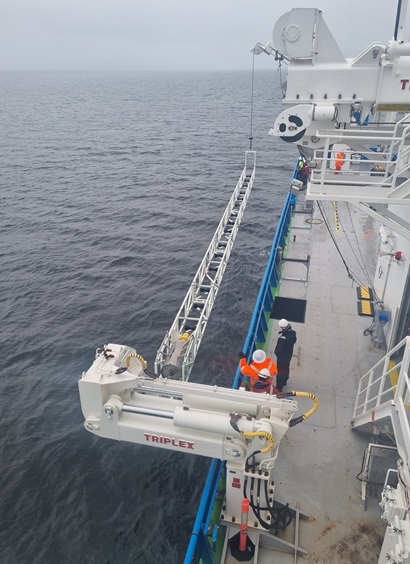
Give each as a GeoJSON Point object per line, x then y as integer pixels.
{"type": "Point", "coordinates": [265, 434]}
{"type": "Point", "coordinates": [281, 517]}
{"type": "Point", "coordinates": [301, 418]}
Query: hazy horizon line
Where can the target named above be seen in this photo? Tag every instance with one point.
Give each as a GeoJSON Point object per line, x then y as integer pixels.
{"type": "Point", "coordinates": [134, 70]}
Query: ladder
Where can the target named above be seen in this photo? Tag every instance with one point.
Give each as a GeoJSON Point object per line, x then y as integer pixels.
{"type": "Point", "coordinates": [177, 352]}
{"type": "Point", "coordinates": [383, 397]}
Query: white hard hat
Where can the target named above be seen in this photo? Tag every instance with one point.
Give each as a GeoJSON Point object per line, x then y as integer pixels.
{"type": "Point", "coordinates": [259, 356]}
{"type": "Point", "coordinates": [264, 374]}
{"type": "Point", "coordinates": [283, 323]}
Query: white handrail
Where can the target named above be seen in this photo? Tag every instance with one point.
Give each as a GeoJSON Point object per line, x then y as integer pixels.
{"type": "Point", "coordinates": [377, 397]}
{"type": "Point", "coordinates": [394, 143]}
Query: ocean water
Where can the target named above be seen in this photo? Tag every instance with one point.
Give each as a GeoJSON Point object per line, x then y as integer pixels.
{"type": "Point", "coordinates": [112, 186]}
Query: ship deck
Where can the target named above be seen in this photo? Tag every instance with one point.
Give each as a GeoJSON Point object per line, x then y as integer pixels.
{"type": "Point", "coordinates": [319, 459]}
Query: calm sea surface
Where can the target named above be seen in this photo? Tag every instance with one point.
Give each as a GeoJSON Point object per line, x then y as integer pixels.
{"type": "Point", "coordinates": [112, 186]}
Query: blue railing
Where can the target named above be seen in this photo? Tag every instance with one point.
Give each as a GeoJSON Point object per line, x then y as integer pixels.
{"type": "Point", "coordinates": [199, 549]}
{"type": "Point", "coordinates": [259, 327]}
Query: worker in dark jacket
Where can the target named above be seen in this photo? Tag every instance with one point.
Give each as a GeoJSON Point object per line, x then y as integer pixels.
{"type": "Point", "coordinates": [284, 352]}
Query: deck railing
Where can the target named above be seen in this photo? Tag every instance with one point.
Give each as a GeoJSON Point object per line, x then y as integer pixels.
{"type": "Point", "coordinates": [384, 392]}
{"type": "Point", "coordinates": [259, 325]}
{"type": "Point", "coordinates": [356, 180]}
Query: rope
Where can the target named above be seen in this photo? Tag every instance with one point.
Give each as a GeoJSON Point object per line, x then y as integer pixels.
{"type": "Point", "coordinates": [253, 80]}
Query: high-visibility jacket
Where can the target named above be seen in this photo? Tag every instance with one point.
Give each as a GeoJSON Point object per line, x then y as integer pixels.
{"type": "Point", "coordinates": [252, 370]}
{"type": "Point", "coordinates": [339, 160]}
{"type": "Point", "coordinates": [262, 386]}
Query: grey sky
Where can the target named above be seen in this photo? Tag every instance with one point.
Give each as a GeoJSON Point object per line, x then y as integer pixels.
{"type": "Point", "coordinates": [168, 34]}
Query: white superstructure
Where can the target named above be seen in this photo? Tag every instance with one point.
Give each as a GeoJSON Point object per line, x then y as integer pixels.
{"type": "Point", "coordinates": [351, 120]}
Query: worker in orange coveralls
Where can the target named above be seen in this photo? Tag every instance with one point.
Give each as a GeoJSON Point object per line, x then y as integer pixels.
{"type": "Point", "coordinates": [340, 158]}
{"type": "Point", "coordinates": [260, 373]}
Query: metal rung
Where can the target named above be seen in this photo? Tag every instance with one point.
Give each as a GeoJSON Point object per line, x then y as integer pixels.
{"type": "Point", "coordinates": [305, 262]}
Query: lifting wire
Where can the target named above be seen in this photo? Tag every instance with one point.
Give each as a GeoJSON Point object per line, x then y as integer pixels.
{"type": "Point", "coordinates": [350, 273]}
{"type": "Point", "coordinates": [363, 268]}
{"type": "Point", "coordinates": [360, 252]}
{"type": "Point", "coordinates": [253, 77]}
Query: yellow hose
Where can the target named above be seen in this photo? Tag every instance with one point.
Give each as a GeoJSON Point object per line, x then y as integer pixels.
{"type": "Point", "coordinates": [312, 397]}
{"type": "Point", "coordinates": [294, 422]}
{"type": "Point", "coordinates": [265, 434]}
{"type": "Point", "coordinates": [137, 356]}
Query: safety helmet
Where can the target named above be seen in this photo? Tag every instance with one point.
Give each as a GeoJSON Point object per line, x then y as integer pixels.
{"type": "Point", "coordinates": [259, 356]}
{"type": "Point", "coordinates": [283, 323]}
{"type": "Point", "coordinates": [264, 374]}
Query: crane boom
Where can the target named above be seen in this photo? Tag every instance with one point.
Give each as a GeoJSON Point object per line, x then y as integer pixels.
{"type": "Point", "coordinates": [119, 401]}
